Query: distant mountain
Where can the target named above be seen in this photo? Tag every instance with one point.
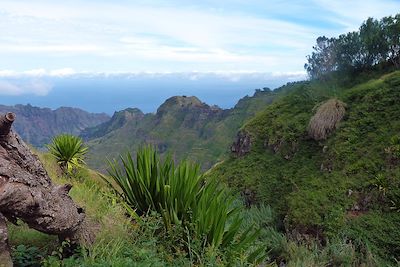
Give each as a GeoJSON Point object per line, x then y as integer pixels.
{"type": "Point", "coordinates": [184, 126]}
{"type": "Point", "coordinates": [119, 119]}
{"type": "Point", "coordinates": [37, 126]}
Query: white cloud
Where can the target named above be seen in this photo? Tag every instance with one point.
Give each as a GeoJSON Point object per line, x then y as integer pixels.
{"type": "Point", "coordinates": [37, 73]}
{"type": "Point", "coordinates": [8, 88]}
{"type": "Point", "coordinates": [161, 35]}
{"type": "Point", "coordinates": [50, 48]}
{"type": "Point", "coordinates": [38, 87]}
{"type": "Point", "coordinates": [291, 75]}
{"type": "Point", "coordinates": [40, 82]}
{"type": "Point", "coordinates": [21, 87]}
{"type": "Point", "coordinates": [34, 73]}
{"type": "Point", "coordinates": [37, 77]}
{"type": "Point", "coordinates": [8, 73]}
{"type": "Point", "coordinates": [62, 72]}
{"type": "Point", "coordinates": [184, 35]}
{"type": "Point", "coordinates": [352, 13]}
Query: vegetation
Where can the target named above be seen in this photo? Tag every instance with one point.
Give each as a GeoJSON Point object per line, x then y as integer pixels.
{"type": "Point", "coordinates": [181, 124]}
{"type": "Point", "coordinates": [182, 197]}
{"type": "Point", "coordinates": [69, 151]}
{"type": "Point", "coordinates": [123, 241]}
{"type": "Point", "coordinates": [326, 119]}
{"type": "Point", "coordinates": [329, 200]}
{"type": "Point", "coordinates": [343, 185]}
{"type": "Point", "coordinates": [120, 241]}
{"type": "Point", "coordinates": [340, 188]}
{"type": "Point", "coordinates": [376, 42]}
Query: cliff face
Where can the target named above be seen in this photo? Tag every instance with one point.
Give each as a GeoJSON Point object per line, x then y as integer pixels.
{"type": "Point", "coordinates": [37, 126]}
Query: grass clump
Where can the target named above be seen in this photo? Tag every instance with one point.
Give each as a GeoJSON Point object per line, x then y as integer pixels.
{"type": "Point", "coordinates": [326, 119]}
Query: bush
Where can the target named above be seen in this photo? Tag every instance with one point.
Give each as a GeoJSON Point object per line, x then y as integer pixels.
{"type": "Point", "coordinates": [26, 256]}
{"type": "Point", "coordinates": [69, 152]}
{"type": "Point", "coordinates": [183, 197]}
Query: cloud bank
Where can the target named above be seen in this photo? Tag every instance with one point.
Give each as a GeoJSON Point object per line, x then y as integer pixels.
{"type": "Point", "coordinates": [40, 82]}
{"type": "Point", "coordinates": [174, 35]}
{"type": "Point", "coordinates": [24, 87]}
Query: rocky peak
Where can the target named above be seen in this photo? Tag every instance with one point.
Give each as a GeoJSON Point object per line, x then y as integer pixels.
{"type": "Point", "coordinates": [180, 102]}
{"type": "Point", "coordinates": [128, 114]}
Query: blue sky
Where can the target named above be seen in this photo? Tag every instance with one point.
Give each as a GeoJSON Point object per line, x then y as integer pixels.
{"type": "Point", "coordinates": [42, 39]}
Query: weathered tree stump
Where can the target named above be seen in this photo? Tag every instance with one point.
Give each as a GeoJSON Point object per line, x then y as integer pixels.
{"type": "Point", "coordinates": [27, 193]}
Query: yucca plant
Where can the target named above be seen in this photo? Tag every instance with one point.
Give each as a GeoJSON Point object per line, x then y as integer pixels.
{"type": "Point", "coordinates": [181, 195]}
{"type": "Point", "coordinates": [153, 184]}
{"type": "Point", "coordinates": [69, 152]}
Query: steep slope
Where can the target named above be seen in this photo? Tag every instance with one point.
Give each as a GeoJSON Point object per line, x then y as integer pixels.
{"type": "Point", "coordinates": [119, 119]}
{"type": "Point", "coordinates": [345, 187]}
{"type": "Point", "coordinates": [183, 125]}
{"type": "Point", "coordinates": [38, 125]}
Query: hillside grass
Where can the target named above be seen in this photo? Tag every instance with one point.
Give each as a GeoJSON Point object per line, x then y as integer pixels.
{"type": "Point", "coordinates": [123, 242]}
{"type": "Point", "coordinates": [346, 187]}
{"type": "Point", "coordinates": [119, 240]}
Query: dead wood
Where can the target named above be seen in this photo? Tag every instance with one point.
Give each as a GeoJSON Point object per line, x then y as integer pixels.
{"type": "Point", "coordinates": [27, 192]}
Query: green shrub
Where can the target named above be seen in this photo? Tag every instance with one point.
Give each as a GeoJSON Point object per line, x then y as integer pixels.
{"type": "Point", "coordinates": [183, 197]}
{"type": "Point", "coordinates": [394, 149]}
{"type": "Point", "coordinates": [26, 256]}
{"type": "Point", "coordinates": [69, 152]}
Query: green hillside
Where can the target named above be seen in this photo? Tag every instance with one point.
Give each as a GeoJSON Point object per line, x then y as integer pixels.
{"type": "Point", "coordinates": [344, 187]}
{"type": "Point", "coordinates": [182, 125]}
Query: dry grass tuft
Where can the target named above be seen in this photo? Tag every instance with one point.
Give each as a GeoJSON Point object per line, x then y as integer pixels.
{"type": "Point", "coordinates": [326, 119]}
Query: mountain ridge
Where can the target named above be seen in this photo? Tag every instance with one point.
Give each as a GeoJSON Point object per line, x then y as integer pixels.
{"type": "Point", "coordinates": [185, 125]}
{"type": "Point", "coordinates": [37, 126]}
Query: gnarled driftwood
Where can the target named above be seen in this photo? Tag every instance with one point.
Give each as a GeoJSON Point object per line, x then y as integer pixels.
{"type": "Point", "coordinates": [27, 193]}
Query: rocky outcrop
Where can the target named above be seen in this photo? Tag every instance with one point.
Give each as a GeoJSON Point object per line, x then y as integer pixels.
{"type": "Point", "coordinates": [178, 102]}
{"type": "Point", "coordinates": [242, 145]}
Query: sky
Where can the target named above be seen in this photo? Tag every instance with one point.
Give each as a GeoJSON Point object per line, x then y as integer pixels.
{"type": "Point", "coordinates": [43, 42]}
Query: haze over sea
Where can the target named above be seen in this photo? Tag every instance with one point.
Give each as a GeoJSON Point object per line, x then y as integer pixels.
{"type": "Point", "coordinates": [146, 91]}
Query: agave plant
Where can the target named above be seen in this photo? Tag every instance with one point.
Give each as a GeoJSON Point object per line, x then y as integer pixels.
{"type": "Point", "coordinates": [181, 195]}
{"type": "Point", "coordinates": [69, 152]}
{"type": "Point", "coordinates": [152, 184]}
